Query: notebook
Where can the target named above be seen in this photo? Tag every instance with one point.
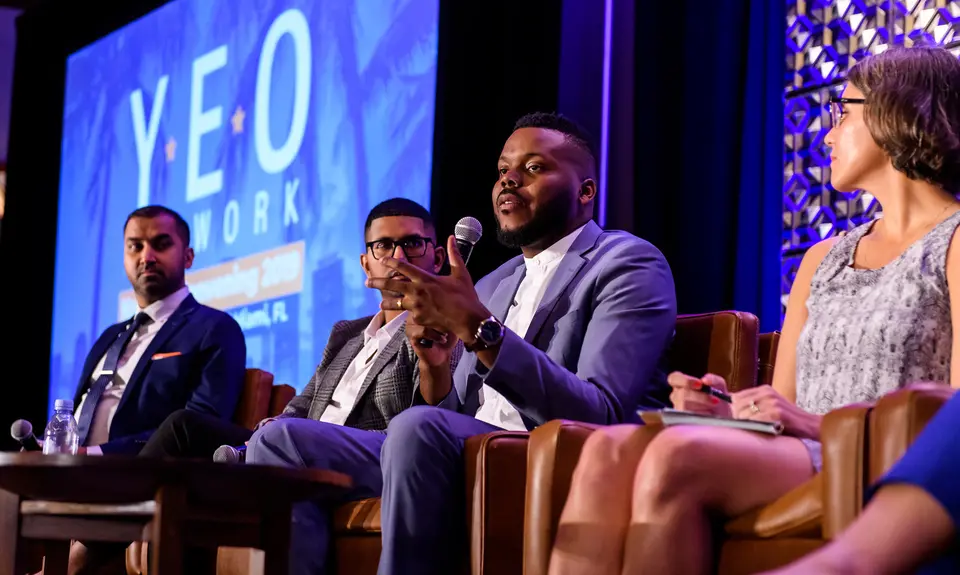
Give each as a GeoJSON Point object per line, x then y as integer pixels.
{"type": "Point", "coordinates": [668, 417]}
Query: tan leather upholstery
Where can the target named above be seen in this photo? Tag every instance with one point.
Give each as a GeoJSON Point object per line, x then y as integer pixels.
{"type": "Point", "coordinates": [496, 483]}
{"type": "Point", "coordinates": [255, 399]}
{"type": "Point", "coordinates": [896, 421]}
{"type": "Point", "coordinates": [280, 396]}
{"type": "Point", "coordinates": [796, 514]}
{"type": "Point", "coordinates": [551, 458]}
{"type": "Point", "coordinates": [260, 399]}
{"type": "Point", "coordinates": [769, 344]}
{"type": "Point", "coordinates": [724, 343]}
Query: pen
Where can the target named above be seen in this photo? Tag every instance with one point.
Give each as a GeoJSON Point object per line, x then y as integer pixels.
{"type": "Point", "coordinates": [716, 393]}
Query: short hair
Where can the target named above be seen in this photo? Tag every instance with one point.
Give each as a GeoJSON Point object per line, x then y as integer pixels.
{"type": "Point", "coordinates": [400, 207]}
{"type": "Point", "coordinates": [912, 110]}
{"type": "Point", "coordinates": [150, 212]}
{"type": "Point", "coordinates": [574, 132]}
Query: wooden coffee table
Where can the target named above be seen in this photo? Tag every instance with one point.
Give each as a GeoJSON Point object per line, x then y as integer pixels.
{"type": "Point", "coordinates": [170, 503]}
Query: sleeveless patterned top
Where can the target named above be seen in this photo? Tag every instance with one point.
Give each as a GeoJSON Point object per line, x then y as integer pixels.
{"type": "Point", "coordinates": [870, 332]}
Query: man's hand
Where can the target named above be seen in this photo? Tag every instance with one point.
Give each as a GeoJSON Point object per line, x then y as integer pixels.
{"type": "Point", "coordinates": [447, 305]}
{"type": "Point", "coordinates": [437, 355]}
{"type": "Point", "coordinates": [436, 379]}
{"type": "Point", "coordinates": [81, 450]}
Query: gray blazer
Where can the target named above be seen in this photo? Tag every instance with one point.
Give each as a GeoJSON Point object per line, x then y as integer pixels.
{"type": "Point", "coordinates": [392, 385]}
{"type": "Point", "coordinates": [595, 348]}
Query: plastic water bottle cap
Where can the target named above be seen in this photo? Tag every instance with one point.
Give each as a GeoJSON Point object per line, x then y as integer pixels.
{"type": "Point", "coordinates": [63, 405]}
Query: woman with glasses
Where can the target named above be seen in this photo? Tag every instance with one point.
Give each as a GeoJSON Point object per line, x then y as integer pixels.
{"type": "Point", "coordinates": [869, 312]}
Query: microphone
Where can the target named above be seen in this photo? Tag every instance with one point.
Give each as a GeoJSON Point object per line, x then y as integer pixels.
{"type": "Point", "coordinates": [230, 454]}
{"type": "Point", "coordinates": [22, 431]}
{"type": "Point", "coordinates": [466, 234]}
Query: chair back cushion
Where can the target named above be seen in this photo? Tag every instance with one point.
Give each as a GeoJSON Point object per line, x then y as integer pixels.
{"type": "Point", "coordinates": [280, 396]}
{"type": "Point", "coordinates": [255, 400]}
{"type": "Point", "coordinates": [769, 342]}
{"type": "Point", "coordinates": [724, 343]}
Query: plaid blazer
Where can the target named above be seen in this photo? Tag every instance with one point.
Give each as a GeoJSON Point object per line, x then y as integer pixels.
{"type": "Point", "coordinates": [392, 385]}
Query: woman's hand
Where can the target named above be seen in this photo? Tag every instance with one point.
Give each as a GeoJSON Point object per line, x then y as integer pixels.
{"type": "Point", "coordinates": [687, 394]}
{"type": "Point", "coordinates": [763, 403]}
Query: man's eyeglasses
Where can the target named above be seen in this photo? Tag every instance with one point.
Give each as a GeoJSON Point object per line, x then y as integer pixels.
{"type": "Point", "coordinates": [412, 246]}
{"type": "Point", "coordinates": [837, 112]}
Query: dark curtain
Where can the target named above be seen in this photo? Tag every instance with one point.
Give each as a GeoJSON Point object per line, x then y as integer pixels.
{"type": "Point", "coordinates": [707, 149]}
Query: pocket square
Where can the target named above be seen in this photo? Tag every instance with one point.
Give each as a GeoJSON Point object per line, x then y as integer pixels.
{"type": "Point", "coordinates": [165, 355]}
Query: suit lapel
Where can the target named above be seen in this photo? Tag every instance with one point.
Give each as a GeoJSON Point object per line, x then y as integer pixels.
{"type": "Point", "coordinates": [381, 361]}
{"type": "Point", "coordinates": [335, 371]}
{"type": "Point", "coordinates": [172, 326]}
{"type": "Point", "coordinates": [571, 263]}
{"type": "Point", "coordinates": [502, 297]}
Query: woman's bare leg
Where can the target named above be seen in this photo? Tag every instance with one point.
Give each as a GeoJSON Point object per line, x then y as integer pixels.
{"type": "Point", "coordinates": [688, 473]}
{"type": "Point", "coordinates": [594, 522]}
{"type": "Point", "coordinates": [901, 528]}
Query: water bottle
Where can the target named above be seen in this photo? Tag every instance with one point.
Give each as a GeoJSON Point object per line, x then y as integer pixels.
{"type": "Point", "coordinates": [61, 436]}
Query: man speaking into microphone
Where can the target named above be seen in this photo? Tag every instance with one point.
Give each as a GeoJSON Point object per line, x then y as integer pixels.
{"type": "Point", "coordinates": [574, 328]}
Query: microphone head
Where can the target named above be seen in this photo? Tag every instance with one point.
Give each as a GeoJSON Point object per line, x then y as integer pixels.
{"type": "Point", "coordinates": [226, 454]}
{"type": "Point", "coordinates": [21, 429]}
{"type": "Point", "coordinates": [469, 230]}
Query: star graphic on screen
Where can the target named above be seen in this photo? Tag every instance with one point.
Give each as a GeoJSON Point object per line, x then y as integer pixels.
{"type": "Point", "coordinates": [237, 120]}
{"type": "Point", "coordinates": [171, 149]}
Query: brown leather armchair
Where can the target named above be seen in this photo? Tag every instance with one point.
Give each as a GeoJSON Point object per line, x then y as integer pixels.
{"type": "Point", "coordinates": [860, 443]}
{"type": "Point", "coordinates": [260, 399]}
{"type": "Point", "coordinates": [724, 343]}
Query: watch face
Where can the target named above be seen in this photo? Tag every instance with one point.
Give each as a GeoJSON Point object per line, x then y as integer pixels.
{"type": "Point", "coordinates": [491, 331]}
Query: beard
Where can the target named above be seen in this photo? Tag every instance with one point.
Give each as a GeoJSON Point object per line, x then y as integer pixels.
{"type": "Point", "coordinates": [549, 218]}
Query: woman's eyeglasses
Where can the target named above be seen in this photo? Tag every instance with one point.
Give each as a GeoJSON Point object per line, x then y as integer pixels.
{"type": "Point", "coordinates": [837, 111]}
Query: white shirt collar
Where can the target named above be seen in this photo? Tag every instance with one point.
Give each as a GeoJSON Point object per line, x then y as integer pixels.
{"type": "Point", "coordinates": [161, 310]}
{"type": "Point", "coordinates": [554, 252]}
{"type": "Point", "coordinates": [376, 327]}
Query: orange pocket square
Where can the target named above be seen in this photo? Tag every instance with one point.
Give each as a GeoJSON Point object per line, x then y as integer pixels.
{"type": "Point", "coordinates": [165, 355]}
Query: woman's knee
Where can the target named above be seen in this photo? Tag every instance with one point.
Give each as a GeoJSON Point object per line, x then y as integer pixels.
{"type": "Point", "coordinates": [674, 464]}
{"type": "Point", "coordinates": [609, 454]}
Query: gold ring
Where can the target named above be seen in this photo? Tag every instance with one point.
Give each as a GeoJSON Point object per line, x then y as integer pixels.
{"type": "Point", "coordinates": [400, 303]}
{"type": "Point", "coordinates": [754, 408]}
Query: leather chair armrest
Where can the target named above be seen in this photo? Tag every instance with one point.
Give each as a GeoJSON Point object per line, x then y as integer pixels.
{"type": "Point", "coordinates": [496, 474]}
{"type": "Point", "coordinates": [798, 513]}
{"type": "Point", "coordinates": [896, 421]}
{"type": "Point", "coordinates": [843, 437]}
{"type": "Point", "coordinates": [551, 458]}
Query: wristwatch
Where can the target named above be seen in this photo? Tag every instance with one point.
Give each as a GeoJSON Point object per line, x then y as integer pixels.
{"type": "Point", "coordinates": [489, 334]}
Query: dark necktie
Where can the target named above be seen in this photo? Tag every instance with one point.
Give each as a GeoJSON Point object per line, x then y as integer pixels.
{"type": "Point", "coordinates": [106, 376]}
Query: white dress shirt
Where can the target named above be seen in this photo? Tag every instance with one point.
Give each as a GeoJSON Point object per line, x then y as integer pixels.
{"type": "Point", "coordinates": [159, 312]}
{"type": "Point", "coordinates": [494, 408]}
{"type": "Point", "coordinates": [375, 338]}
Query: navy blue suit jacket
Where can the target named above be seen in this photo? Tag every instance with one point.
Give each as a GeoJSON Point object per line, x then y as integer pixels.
{"type": "Point", "coordinates": [206, 375]}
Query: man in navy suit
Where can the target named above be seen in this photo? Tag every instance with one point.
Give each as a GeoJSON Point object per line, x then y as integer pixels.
{"type": "Point", "coordinates": [178, 354]}
{"type": "Point", "coordinates": [575, 328]}
{"type": "Point", "coordinates": [173, 354]}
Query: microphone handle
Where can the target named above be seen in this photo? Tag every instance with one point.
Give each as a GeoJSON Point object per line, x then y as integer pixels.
{"type": "Point", "coordinates": [466, 250]}
{"type": "Point", "coordinates": [30, 443]}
